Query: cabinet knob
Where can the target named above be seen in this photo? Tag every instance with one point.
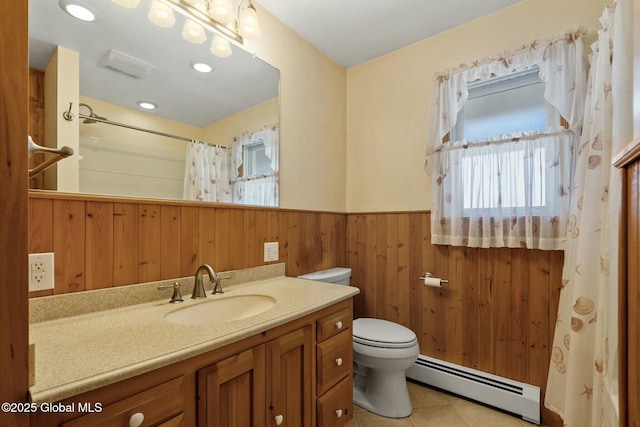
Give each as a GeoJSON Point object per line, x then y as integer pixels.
{"type": "Point", "coordinates": [136, 419]}
{"type": "Point", "coordinates": [278, 419]}
{"type": "Point", "coordinates": [339, 361]}
{"type": "Point", "coordinates": [339, 324]}
{"type": "Point", "coordinates": [339, 413]}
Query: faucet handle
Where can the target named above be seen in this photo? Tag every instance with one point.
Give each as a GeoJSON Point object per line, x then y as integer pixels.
{"type": "Point", "coordinates": [177, 296]}
{"type": "Point", "coordinates": [217, 287]}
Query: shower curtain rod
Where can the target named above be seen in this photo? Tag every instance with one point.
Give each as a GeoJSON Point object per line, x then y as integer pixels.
{"type": "Point", "coordinates": [168, 135]}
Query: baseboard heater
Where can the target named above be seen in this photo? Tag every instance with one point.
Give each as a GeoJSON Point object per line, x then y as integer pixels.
{"type": "Point", "coordinates": [512, 396]}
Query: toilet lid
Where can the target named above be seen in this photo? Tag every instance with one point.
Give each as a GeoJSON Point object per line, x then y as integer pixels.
{"type": "Point", "coordinates": [382, 333]}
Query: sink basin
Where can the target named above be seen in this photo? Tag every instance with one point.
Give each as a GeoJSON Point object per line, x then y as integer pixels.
{"type": "Point", "coordinates": [221, 309]}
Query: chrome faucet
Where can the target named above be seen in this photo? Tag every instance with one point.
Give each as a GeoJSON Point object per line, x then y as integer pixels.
{"type": "Point", "coordinates": [198, 285]}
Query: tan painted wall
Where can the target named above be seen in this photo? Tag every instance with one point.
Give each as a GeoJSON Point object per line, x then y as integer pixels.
{"type": "Point", "coordinates": [61, 85]}
{"type": "Point", "coordinates": [251, 119]}
{"type": "Point", "coordinates": [389, 97]}
{"type": "Point", "coordinates": [313, 115]}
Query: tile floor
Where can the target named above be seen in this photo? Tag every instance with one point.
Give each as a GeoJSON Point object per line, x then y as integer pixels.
{"type": "Point", "coordinates": [432, 407]}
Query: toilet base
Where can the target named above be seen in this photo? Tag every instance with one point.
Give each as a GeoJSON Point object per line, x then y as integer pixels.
{"type": "Point", "coordinates": [382, 393]}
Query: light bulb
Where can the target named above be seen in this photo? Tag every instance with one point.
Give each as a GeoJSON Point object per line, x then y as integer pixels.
{"type": "Point", "coordinates": [249, 27]}
{"type": "Point", "coordinates": [161, 14]}
{"type": "Point", "coordinates": [193, 32]}
{"type": "Point", "coordinates": [220, 46]}
{"type": "Point", "coordinates": [220, 10]}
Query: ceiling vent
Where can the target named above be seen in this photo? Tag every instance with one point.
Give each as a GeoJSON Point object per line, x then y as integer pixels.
{"type": "Point", "coordinates": [124, 63]}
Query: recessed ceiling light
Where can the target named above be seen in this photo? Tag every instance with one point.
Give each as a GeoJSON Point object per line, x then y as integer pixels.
{"type": "Point", "coordinates": [201, 67]}
{"type": "Point", "coordinates": [79, 10]}
{"type": "Point", "coordinates": [147, 105]}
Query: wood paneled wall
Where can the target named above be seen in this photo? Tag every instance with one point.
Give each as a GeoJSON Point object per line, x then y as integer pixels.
{"type": "Point", "coordinates": [497, 313]}
{"type": "Point", "coordinates": [14, 310]}
{"type": "Point", "coordinates": [629, 285]}
{"type": "Point", "coordinates": [102, 242]}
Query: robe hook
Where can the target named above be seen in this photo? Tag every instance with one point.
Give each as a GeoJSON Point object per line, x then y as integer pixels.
{"type": "Point", "coordinates": [68, 115]}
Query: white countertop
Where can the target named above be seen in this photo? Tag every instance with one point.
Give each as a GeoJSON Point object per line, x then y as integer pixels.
{"type": "Point", "coordinates": [80, 353]}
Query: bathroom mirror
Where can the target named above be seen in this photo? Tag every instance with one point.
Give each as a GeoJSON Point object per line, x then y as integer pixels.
{"type": "Point", "coordinates": [124, 58]}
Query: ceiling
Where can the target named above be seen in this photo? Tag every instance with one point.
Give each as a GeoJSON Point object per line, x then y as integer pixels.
{"type": "Point", "coordinates": [355, 31]}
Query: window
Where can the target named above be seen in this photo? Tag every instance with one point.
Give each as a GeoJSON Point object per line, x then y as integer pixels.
{"type": "Point", "coordinates": [255, 160]}
{"type": "Point", "coordinates": [502, 105]}
{"type": "Point", "coordinates": [500, 162]}
{"type": "Point", "coordinates": [514, 175]}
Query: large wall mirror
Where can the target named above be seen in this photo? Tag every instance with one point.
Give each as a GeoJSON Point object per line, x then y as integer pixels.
{"type": "Point", "coordinates": [100, 72]}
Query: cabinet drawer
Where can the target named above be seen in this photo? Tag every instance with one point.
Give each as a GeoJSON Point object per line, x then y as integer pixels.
{"type": "Point", "coordinates": [162, 403]}
{"type": "Point", "coordinates": [334, 360]}
{"type": "Point", "coordinates": [334, 324]}
{"type": "Point", "coordinates": [335, 408]}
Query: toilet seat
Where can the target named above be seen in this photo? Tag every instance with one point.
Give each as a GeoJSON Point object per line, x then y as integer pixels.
{"type": "Point", "coordinates": [382, 333]}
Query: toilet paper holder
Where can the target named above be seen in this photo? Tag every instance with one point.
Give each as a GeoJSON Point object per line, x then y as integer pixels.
{"type": "Point", "coordinates": [427, 275]}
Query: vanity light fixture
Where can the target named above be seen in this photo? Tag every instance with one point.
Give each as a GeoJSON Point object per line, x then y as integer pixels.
{"type": "Point", "coordinates": [129, 4]}
{"type": "Point", "coordinates": [161, 14]}
{"type": "Point", "coordinates": [79, 10]}
{"type": "Point", "coordinates": [248, 22]}
{"type": "Point", "coordinates": [147, 105]}
{"type": "Point", "coordinates": [201, 67]}
{"type": "Point", "coordinates": [220, 46]}
{"type": "Point", "coordinates": [226, 21]}
{"type": "Point", "coordinates": [221, 10]}
{"type": "Point", "coordinates": [193, 32]}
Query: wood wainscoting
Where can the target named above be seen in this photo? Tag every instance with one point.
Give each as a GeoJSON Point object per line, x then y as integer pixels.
{"type": "Point", "coordinates": [101, 242]}
{"type": "Point", "coordinates": [497, 313]}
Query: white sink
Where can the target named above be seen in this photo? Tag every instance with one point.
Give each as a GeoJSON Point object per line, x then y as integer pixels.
{"type": "Point", "coordinates": [221, 309]}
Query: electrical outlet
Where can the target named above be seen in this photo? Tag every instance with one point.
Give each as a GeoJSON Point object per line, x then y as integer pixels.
{"type": "Point", "coordinates": [41, 271]}
{"type": "Point", "coordinates": [270, 251]}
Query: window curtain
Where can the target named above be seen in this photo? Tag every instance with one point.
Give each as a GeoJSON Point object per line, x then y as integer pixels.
{"type": "Point", "coordinates": [582, 382]}
{"type": "Point", "coordinates": [262, 190]}
{"type": "Point", "coordinates": [562, 68]}
{"type": "Point", "coordinates": [464, 169]}
{"type": "Point", "coordinates": [207, 173]}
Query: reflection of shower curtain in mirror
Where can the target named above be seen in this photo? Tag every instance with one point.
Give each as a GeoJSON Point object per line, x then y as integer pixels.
{"type": "Point", "coordinates": [207, 173]}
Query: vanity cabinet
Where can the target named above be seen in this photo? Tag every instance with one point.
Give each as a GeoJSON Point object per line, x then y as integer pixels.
{"type": "Point", "coordinates": [162, 405]}
{"type": "Point", "coordinates": [334, 368]}
{"type": "Point", "coordinates": [297, 374]}
{"type": "Point", "coordinates": [231, 392]}
{"type": "Point", "coordinates": [289, 379]}
{"type": "Point", "coordinates": [245, 388]}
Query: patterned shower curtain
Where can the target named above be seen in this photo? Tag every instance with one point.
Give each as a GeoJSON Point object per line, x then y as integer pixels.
{"type": "Point", "coordinates": [582, 372]}
{"type": "Point", "coordinates": [207, 174]}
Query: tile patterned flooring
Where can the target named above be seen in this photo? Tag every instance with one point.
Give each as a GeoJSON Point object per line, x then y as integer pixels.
{"type": "Point", "coordinates": [432, 407]}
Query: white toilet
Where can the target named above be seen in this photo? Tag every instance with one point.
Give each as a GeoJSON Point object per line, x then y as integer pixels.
{"type": "Point", "coordinates": [382, 352]}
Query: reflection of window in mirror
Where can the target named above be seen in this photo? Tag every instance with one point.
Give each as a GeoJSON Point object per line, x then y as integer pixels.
{"type": "Point", "coordinates": [255, 161]}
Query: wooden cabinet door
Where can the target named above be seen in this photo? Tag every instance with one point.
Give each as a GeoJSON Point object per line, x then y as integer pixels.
{"type": "Point", "coordinates": [231, 392]}
{"type": "Point", "coordinates": [289, 379]}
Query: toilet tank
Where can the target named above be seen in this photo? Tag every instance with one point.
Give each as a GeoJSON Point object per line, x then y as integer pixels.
{"type": "Point", "coordinates": [337, 275]}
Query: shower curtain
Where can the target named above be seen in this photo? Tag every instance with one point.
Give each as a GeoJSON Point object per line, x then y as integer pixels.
{"type": "Point", "coordinates": [207, 174]}
{"type": "Point", "coordinates": [582, 382]}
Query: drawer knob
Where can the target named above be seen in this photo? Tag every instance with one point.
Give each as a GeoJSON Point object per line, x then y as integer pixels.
{"type": "Point", "coordinates": [136, 419]}
{"type": "Point", "coordinates": [339, 361]}
{"type": "Point", "coordinates": [339, 413]}
{"type": "Point", "coordinates": [339, 324]}
{"type": "Point", "coordinates": [278, 419]}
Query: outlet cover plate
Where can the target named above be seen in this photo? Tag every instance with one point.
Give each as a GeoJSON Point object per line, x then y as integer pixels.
{"type": "Point", "coordinates": [271, 251]}
{"type": "Point", "coordinates": [41, 271]}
